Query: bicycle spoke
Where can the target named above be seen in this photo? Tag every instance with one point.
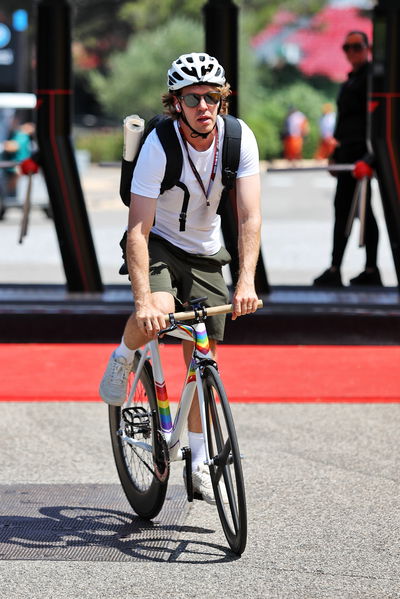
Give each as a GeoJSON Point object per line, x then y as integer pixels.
{"type": "Point", "coordinates": [232, 500]}
{"type": "Point", "coordinates": [141, 459]}
{"type": "Point", "coordinates": [143, 486]}
{"type": "Point", "coordinates": [223, 458]}
{"type": "Point", "coordinates": [223, 471]}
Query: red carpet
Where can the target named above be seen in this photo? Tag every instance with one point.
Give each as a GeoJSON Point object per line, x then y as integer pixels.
{"type": "Point", "coordinates": [55, 372]}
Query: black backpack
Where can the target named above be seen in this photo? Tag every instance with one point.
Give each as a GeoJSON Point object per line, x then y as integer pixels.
{"type": "Point", "coordinates": [166, 133]}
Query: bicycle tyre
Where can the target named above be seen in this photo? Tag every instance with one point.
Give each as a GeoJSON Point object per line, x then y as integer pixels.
{"type": "Point", "coordinates": [136, 470]}
{"type": "Point", "coordinates": [225, 455]}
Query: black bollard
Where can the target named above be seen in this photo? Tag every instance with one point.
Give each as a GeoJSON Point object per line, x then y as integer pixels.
{"type": "Point", "coordinates": [384, 111]}
{"type": "Point", "coordinates": [56, 155]}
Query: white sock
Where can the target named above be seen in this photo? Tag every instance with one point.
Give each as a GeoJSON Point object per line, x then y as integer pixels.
{"type": "Point", "coordinates": [196, 443]}
{"type": "Point", "coordinates": [124, 352]}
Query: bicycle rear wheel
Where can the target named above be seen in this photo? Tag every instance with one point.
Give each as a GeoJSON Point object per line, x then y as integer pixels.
{"type": "Point", "coordinates": [144, 480]}
{"type": "Point", "coordinates": [226, 467]}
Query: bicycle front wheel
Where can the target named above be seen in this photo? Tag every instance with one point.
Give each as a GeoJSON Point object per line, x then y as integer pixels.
{"type": "Point", "coordinates": [226, 466]}
{"type": "Point", "coordinates": [143, 479]}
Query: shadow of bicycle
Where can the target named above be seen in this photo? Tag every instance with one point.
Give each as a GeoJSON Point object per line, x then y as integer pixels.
{"type": "Point", "coordinates": [102, 534]}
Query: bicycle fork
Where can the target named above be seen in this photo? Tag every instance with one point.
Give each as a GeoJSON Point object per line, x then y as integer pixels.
{"type": "Point", "coordinates": [203, 416]}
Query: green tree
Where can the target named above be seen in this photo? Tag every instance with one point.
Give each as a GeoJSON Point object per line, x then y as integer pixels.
{"type": "Point", "coordinates": [150, 14]}
{"type": "Point", "coordinates": [259, 12]}
{"type": "Point", "coordinates": [137, 78]}
{"type": "Point", "coordinates": [270, 108]}
{"type": "Point", "coordinates": [147, 14]}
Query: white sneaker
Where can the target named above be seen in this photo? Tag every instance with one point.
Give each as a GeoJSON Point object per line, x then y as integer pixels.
{"type": "Point", "coordinates": [114, 383]}
{"type": "Point", "coordinates": [202, 484]}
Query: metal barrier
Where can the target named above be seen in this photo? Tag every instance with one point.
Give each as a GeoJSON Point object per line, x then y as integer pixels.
{"type": "Point", "coordinates": [359, 202]}
{"type": "Point", "coordinates": [26, 206]}
{"type": "Point", "coordinates": [333, 168]}
{"type": "Point", "coordinates": [8, 163]}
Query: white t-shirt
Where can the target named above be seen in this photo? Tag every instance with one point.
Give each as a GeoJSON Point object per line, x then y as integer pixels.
{"type": "Point", "coordinates": [295, 123]}
{"type": "Point", "coordinates": [327, 124]}
{"type": "Point", "coordinates": [202, 231]}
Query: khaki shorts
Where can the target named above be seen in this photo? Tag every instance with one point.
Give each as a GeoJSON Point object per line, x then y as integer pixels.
{"type": "Point", "coordinates": [189, 276]}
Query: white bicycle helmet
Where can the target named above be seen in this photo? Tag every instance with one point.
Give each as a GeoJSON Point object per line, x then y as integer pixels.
{"type": "Point", "coordinates": [193, 68]}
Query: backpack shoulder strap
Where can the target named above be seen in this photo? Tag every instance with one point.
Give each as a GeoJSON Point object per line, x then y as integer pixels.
{"type": "Point", "coordinates": [173, 168]}
{"type": "Point", "coordinates": [173, 152]}
{"type": "Point", "coordinates": [231, 150]}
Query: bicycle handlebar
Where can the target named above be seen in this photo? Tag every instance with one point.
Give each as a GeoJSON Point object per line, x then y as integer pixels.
{"type": "Point", "coordinates": [223, 309]}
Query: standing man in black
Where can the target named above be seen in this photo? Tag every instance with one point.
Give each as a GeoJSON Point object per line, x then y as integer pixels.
{"type": "Point", "coordinates": [351, 135]}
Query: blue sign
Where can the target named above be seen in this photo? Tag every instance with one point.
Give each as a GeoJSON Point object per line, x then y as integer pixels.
{"type": "Point", "coordinates": [20, 20]}
{"type": "Point", "coordinates": [5, 35]}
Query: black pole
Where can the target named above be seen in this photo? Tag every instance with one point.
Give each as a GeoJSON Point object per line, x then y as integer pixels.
{"type": "Point", "coordinates": [57, 158]}
{"type": "Point", "coordinates": [22, 60]}
{"type": "Point", "coordinates": [222, 41]}
{"type": "Point", "coordinates": [384, 110]}
{"type": "Point", "coordinates": [221, 31]}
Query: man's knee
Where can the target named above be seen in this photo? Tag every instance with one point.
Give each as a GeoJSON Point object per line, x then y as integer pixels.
{"type": "Point", "coordinates": [213, 347]}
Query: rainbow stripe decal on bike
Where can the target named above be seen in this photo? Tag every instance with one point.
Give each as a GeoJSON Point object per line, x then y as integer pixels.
{"type": "Point", "coordinates": [202, 346]}
{"type": "Point", "coordinates": [163, 407]}
{"type": "Point", "coordinates": [191, 377]}
{"type": "Point", "coordinates": [186, 329]}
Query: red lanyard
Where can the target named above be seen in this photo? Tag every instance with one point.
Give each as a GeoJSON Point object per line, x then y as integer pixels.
{"type": "Point", "coordinates": [194, 169]}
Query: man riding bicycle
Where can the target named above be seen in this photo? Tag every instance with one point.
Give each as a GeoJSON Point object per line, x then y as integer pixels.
{"type": "Point", "coordinates": [168, 266]}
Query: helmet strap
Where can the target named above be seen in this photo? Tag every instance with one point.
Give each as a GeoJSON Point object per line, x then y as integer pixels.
{"type": "Point", "coordinates": [194, 133]}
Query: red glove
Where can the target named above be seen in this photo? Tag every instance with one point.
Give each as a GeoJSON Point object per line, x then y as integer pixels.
{"type": "Point", "coordinates": [362, 169]}
{"type": "Point", "coordinates": [29, 167]}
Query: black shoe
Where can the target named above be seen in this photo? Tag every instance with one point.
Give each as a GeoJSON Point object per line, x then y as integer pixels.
{"type": "Point", "coordinates": [329, 278]}
{"type": "Point", "coordinates": [367, 277]}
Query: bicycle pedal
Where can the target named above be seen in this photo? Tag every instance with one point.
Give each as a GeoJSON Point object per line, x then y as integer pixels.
{"type": "Point", "coordinates": [137, 421]}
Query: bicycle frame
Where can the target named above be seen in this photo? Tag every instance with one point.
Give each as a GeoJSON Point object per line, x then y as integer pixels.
{"type": "Point", "coordinates": [173, 429]}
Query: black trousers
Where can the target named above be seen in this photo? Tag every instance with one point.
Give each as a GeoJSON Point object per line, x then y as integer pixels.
{"type": "Point", "coordinates": [345, 188]}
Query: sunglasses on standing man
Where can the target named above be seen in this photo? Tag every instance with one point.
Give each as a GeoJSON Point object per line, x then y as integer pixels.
{"type": "Point", "coordinates": [357, 47]}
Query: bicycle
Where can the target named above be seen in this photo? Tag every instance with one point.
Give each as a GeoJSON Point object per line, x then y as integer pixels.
{"type": "Point", "coordinates": [146, 440]}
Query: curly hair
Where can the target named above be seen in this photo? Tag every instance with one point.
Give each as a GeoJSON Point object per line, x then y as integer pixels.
{"type": "Point", "coordinates": [168, 100]}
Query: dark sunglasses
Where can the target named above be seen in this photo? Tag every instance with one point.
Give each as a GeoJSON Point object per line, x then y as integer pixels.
{"type": "Point", "coordinates": [357, 47]}
{"type": "Point", "coordinates": [192, 100]}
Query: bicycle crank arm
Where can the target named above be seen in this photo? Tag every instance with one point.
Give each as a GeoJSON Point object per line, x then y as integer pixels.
{"type": "Point", "coordinates": [160, 451]}
{"type": "Point", "coordinates": [187, 456]}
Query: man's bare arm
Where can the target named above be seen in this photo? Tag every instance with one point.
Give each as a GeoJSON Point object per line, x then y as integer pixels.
{"type": "Point", "coordinates": [141, 218]}
{"type": "Point", "coordinates": [249, 231]}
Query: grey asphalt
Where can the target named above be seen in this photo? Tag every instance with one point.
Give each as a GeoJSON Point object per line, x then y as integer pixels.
{"type": "Point", "coordinates": [323, 504]}
{"type": "Point", "coordinates": [322, 479]}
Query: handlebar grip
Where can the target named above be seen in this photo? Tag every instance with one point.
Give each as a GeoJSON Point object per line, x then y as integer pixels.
{"type": "Point", "coordinates": [223, 309]}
